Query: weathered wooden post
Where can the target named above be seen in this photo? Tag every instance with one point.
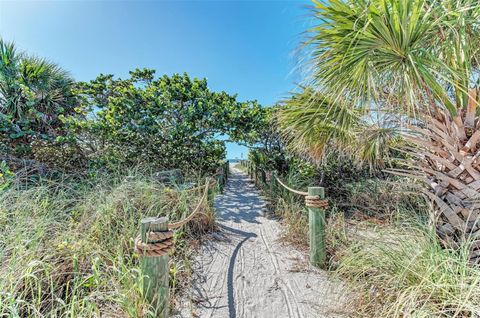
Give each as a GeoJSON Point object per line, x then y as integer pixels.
{"type": "Point", "coordinates": [273, 182]}
{"type": "Point", "coordinates": [210, 195]}
{"type": "Point", "coordinates": [263, 176]}
{"type": "Point", "coordinates": [155, 269]}
{"type": "Point", "coordinates": [219, 182]}
{"type": "Point", "coordinates": [223, 180]}
{"type": "Point", "coordinates": [218, 179]}
{"type": "Point", "coordinates": [227, 169]}
{"type": "Point", "coordinates": [316, 218]}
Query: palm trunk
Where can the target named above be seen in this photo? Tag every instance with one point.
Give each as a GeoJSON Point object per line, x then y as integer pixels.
{"type": "Point", "coordinates": [449, 163]}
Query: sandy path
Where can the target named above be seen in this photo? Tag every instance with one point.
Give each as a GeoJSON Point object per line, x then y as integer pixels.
{"type": "Point", "coordinates": [245, 271]}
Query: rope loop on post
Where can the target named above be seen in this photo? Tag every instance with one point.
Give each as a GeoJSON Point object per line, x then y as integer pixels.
{"type": "Point", "coordinates": [158, 244]}
{"type": "Point", "coordinates": [161, 243]}
{"type": "Point", "coordinates": [314, 201]}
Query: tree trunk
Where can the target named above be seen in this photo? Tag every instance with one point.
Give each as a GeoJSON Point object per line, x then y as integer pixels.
{"type": "Point", "coordinates": [447, 152]}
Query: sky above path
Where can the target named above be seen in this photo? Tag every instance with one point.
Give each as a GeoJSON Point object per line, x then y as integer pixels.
{"type": "Point", "coordinates": [243, 47]}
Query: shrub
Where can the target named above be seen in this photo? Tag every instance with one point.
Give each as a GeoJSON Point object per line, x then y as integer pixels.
{"type": "Point", "coordinates": [168, 122]}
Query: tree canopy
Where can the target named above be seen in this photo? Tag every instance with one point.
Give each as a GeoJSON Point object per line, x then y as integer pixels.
{"type": "Point", "coordinates": [48, 119]}
{"type": "Point", "coordinates": [170, 121]}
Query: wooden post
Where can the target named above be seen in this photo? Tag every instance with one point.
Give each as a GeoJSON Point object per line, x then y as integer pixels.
{"type": "Point", "coordinates": [316, 219]}
{"type": "Point", "coordinates": [218, 184]}
{"type": "Point", "coordinates": [155, 269]}
{"type": "Point", "coordinates": [221, 182]}
{"type": "Point", "coordinates": [227, 169]}
{"type": "Point", "coordinates": [218, 181]}
{"type": "Point", "coordinates": [263, 176]}
{"type": "Point", "coordinates": [273, 182]}
{"type": "Point", "coordinates": [210, 195]}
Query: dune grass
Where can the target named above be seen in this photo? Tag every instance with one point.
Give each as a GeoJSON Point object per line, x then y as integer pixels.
{"type": "Point", "coordinates": [402, 270]}
{"type": "Point", "coordinates": [388, 252]}
{"type": "Point", "coordinates": [66, 247]}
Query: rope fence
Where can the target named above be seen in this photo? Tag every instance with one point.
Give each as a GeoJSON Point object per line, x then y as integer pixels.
{"type": "Point", "coordinates": [290, 189]}
{"type": "Point", "coordinates": [315, 202]}
{"type": "Point", "coordinates": [311, 201]}
{"type": "Point", "coordinates": [159, 244]}
{"type": "Point", "coordinates": [155, 244]}
{"type": "Point", "coordinates": [178, 224]}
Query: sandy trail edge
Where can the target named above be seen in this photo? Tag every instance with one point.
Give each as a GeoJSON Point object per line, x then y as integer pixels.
{"type": "Point", "coordinates": [245, 271]}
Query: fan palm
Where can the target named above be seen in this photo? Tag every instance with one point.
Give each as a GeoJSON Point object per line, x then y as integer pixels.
{"type": "Point", "coordinates": [312, 123]}
{"type": "Point", "coordinates": [419, 60]}
{"type": "Point", "coordinates": [33, 95]}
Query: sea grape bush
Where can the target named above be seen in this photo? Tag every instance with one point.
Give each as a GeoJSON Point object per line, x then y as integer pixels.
{"type": "Point", "coordinates": [169, 122]}
{"type": "Point", "coordinates": [48, 120]}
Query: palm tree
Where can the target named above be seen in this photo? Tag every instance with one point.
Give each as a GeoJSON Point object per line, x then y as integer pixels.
{"type": "Point", "coordinates": [314, 124]}
{"type": "Point", "coordinates": [34, 93]}
{"type": "Point", "coordinates": [417, 60]}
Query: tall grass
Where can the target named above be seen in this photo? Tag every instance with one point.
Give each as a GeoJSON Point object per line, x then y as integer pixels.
{"type": "Point", "coordinates": [66, 247]}
{"type": "Point", "coordinates": [403, 271]}
{"type": "Point", "coordinates": [372, 199]}
{"type": "Point", "coordinates": [387, 251]}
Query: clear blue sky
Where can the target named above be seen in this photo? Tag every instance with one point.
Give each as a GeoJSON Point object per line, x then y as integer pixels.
{"type": "Point", "coordinates": [244, 47]}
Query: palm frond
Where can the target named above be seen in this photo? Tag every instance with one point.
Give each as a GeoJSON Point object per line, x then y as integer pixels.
{"type": "Point", "coordinates": [400, 51]}
{"type": "Point", "coordinates": [310, 121]}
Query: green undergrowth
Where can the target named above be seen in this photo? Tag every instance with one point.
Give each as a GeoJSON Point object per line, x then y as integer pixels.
{"type": "Point", "coordinates": [66, 247]}
{"type": "Point", "coordinates": [402, 270]}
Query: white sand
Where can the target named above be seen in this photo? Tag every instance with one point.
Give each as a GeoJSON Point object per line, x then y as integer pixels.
{"type": "Point", "coordinates": [245, 270]}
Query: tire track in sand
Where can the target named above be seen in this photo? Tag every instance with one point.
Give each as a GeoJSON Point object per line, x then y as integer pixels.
{"type": "Point", "coordinates": [237, 273]}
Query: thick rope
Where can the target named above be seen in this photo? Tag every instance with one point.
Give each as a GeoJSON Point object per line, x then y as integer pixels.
{"type": "Point", "coordinates": [178, 224]}
{"type": "Point", "coordinates": [314, 201]}
{"type": "Point", "coordinates": [158, 244]}
{"type": "Point", "coordinates": [290, 189]}
{"type": "Point", "coordinates": [161, 243]}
